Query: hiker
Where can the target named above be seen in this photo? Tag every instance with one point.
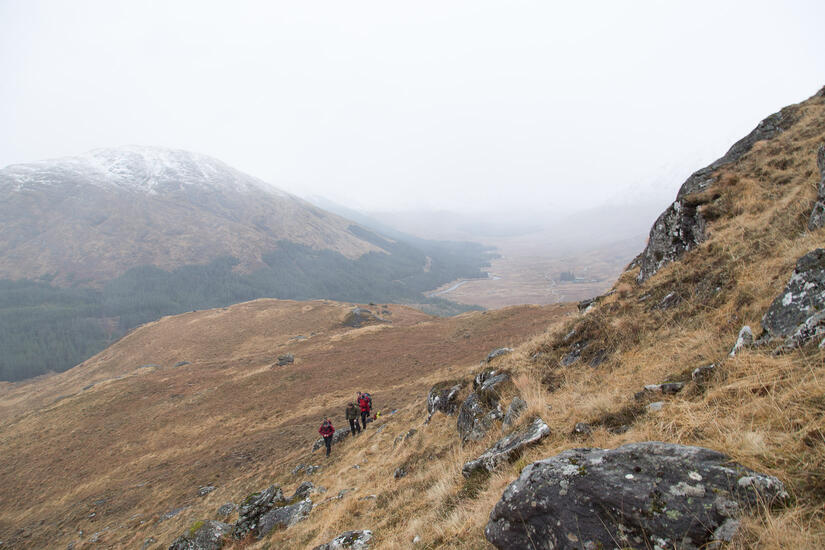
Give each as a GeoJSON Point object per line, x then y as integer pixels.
{"type": "Point", "coordinates": [326, 430]}
{"type": "Point", "coordinates": [352, 416]}
{"type": "Point", "coordinates": [365, 403]}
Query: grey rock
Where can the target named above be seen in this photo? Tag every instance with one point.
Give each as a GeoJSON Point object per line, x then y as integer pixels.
{"type": "Point", "coordinates": [582, 429]}
{"type": "Point", "coordinates": [399, 473]}
{"type": "Point", "coordinates": [254, 508]}
{"type": "Point", "coordinates": [182, 363]}
{"type": "Point", "coordinates": [514, 410]}
{"type": "Point", "coordinates": [744, 340]}
{"type": "Point", "coordinates": [146, 543]}
{"type": "Point", "coordinates": [475, 418]}
{"type": "Point", "coordinates": [172, 513]}
{"type": "Point", "coordinates": [701, 375]}
{"type": "Point", "coordinates": [575, 353]}
{"type": "Point", "coordinates": [641, 495]}
{"type": "Point", "coordinates": [443, 397]}
{"type": "Point", "coordinates": [671, 388]}
{"type": "Point", "coordinates": [226, 509]}
{"type": "Point", "coordinates": [303, 491]}
{"type": "Point", "coordinates": [817, 219]}
{"type": "Point", "coordinates": [802, 297]}
{"type": "Point", "coordinates": [498, 353]}
{"type": "Point", "coordinates": [353, 540]}
{"type": "Point", "coordinates": [209, 536]}
{"type": "Point", "coordinates": [287, 359]}
{"type": "Point", "coordinates": [368, 497]}
{"type": "Point", "coordinates": [670, 300]}
{"type": "Point", "coordinates": [681, 227]}
{"type": "Point", "coordinates": [359, 317]}
{"type": "Point", "coordinates": [205, 490]}
{"type": "Point", "coordinates": [284, 516]}
{"type": "Point", "coordinates": [404, 436]}
{"type": "Point", "coordinates": [813, 328]}
{"type": "Point", "coordinates": [508, 448]}
{"type": "Point", "coordinates": [656, 406]}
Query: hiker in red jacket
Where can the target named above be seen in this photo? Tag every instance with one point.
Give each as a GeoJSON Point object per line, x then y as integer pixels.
{"type": "Point", "coordinates": [365, 403]}
{"type": "Point", "coordinates": [326, 430]}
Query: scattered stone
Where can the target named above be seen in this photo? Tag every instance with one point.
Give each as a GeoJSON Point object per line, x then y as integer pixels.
{"type": "Point", "coordinates": [803, 296]}
{"type": "Point", "coordinates": [656, 407]}
{"type": "Point", "coordinates": [359, 317]}
{"type": "Point", "coordinates": [287, 359]}
{"type": "Point", "coordinates": [90, 386]}
{"type": "Point", "coordinates": [368, 497]}
{"type": "Point", "coordinates": [284, 516]}
{"type": "Point", "coordinates": [416, 540]}
{"type": "Point", "coordinates": [146, 543]}
{"type": "Point", "coordinates": [508, 448]}
{"type": "Point", "coordinates": [226, 509]}
{"type": "Point", "coordinates": [582, 429]}
{"type": "Point", "coordinates": [584, 305]}
{"type": "Point", "coordinates": [302, 492]}
{"type": "Point", "coordinates": [575, 353]}
{"type": "Point", "coordinates": [668, 301]}
{"type": "Point", "coordinates": [404, 437]}
{"type": "Point", "coordinates": [172, 513]}
{"type": "Point", "coordinates": [744, 340]}
{"type": "Point", "coordinates": [352, 540]}
{"type": "Point", "coordinates": [641, 495]}
{"type": "Point", "coordinates": [701, 375]}
{"type": "Point", "coordinates": [514, 410]}
{"type": "Point", "coordinates": [203, 535]}
{"type": "Point", "coordinates": [671, 388]}
{"type": "Point", "coordinates": [817, 219]}
{"type": "Point", "coordinates": [205, 490]}
{"type": "Point", "coordinates": [498, 353]}
{"type": "Point", "coordinates": [443, 397]}
{"type": "Point", "coordinates": [475, 419]}
{"type": "Point", "coordinates": [400, 472]}
{"type": "Point", "coordinates": [182, 363]}
{"type": "Point", "coordinates": [254, 508]}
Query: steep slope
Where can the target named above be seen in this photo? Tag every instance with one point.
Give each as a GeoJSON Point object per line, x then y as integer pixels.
{"type": "Point", "coordinates": [199, 399]}
{"type": "Point", "coordinates": [93, 217]}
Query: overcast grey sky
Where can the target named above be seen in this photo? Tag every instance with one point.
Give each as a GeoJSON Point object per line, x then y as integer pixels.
{"type": "Point", "coordinates": [471, 105]}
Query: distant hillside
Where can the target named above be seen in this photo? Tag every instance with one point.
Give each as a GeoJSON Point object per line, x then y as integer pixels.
{"type": "Point", "coordinates": [92, 246]}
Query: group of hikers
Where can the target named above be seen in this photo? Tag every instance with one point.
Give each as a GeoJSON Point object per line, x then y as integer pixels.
{"type": "Point", "coordinates": [353, 411]}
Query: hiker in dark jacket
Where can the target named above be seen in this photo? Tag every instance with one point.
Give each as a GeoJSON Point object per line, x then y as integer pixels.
{"type": "Point", "coordinates": [365, 403]}
{"type": "Point", "coordinates": [352, 416]}
{"type": "Point", "coordinates": [326, 430]}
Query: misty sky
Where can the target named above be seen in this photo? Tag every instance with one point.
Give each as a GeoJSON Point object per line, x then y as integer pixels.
{"type": "Point", "coordinates": [471, 105]}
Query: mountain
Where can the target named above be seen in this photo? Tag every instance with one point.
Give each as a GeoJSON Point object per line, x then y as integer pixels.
{"type": "Point", "coordinates": [92, 246]}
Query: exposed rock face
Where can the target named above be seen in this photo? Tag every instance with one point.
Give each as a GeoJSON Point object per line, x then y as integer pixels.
{"type": "Point", "coordinates": [255, 507]}
{"type": "Point", "coordinates": [443, 397]}
{"type": "Point", "coordinates": [681, 227]}
{"type": "Point", "coordinates": [813, 328]}
{"type": "Point", "coordinates": [208, 536]}
{"type": "Point", "coordinates": [641, 495]}
{"type": "Point", "coordinates": [475, 418]}
{"type": "Point", "coordinates": [517, 406]}
{"type": "Point", "coordinates": [498, 353]}
{"type": "Point", "coordinates": [803, 296]}
{"type": "Point", "coordinates": [744, 340]}
{"type": "Point", "coordinates": [284, 516]}
{"type": "Point", "coordinates": [354, 540]}
{"type": "Point", "coordinates": [303, 491]}
{"type": "Point", "coordinates": [818, 213]}
{"type": "Point", "coordinates": [508, 448]}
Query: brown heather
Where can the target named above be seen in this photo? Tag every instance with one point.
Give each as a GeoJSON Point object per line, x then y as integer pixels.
{"type": "Point", "coordinates": [226, 421]}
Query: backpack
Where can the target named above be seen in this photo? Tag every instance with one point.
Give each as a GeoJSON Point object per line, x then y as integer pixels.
{"type": "Point", "coordinates": [368, 397]}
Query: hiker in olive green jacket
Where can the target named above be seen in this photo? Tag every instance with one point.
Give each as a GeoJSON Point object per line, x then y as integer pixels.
{"type": "Point", "coordinates": [352, 416]}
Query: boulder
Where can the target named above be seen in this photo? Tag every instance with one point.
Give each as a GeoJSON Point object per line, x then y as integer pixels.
{"type": "Point", "coordinates": [203, 535]}
{"type": "Point", "coordinates": [813, 328]}
{"type": "Point", "coordinates": [443, 397]}
{"type": "Point", "coordinates": [284, 516]}
{"type": "Point", "coordinates": [359, 317]}
{"type": "Point", "coordinates": [701, 375]}
{"type": "Point", "coordinates": [400, 472]}
{"type": "Point", "coordinates": [508, 448]}
{"type": "Point", "coordinates": [514, 410]}
{"type": "Point", "coordinates": [582, 429]}
{"type": "Point", "coordinates": [287, 359]}
{"type": "Point", "coordinates": [302, 492]}
{"type": "Point", "coordinates": [744, 340]}
{"type": "Point", "coordinates": [817, 219]}
{"type": "Point", "coordinates": [681, 227]}
{"type": "Point", "coordinates": [498, 353]}
{"type": "Point", "coordinates": [640, 495]}
{"type": "Point", "coordinates": [354, 540]}
{"type": "Point", "coordinates": [804, 295]}
{"type": "Point", "coordinates": [226, 509]}
{"type": "Point", "coordinates": [205, 490]}
{"type": "Point", "coordinates": [254, 508]}
{"type": "Point", "coordinates": [475, 418]}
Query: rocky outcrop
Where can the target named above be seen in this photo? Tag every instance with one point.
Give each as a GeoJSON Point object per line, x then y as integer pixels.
{"type": "Point", "coordinates": [641, 495]}
{"type": "Point", "coordinates": [508, 448]}
{"type": "Point", "coordinates": [681, 227]}
{"type": "Point", "coordinates": [744, 340]}
{"type": "Point", "coordinates": [514, 410]}
{"type": "Point", "coordinates": [286, 359]}
{"type": "Point", "coordinates": [498, 353]}
{"type": "Point", "coordinates": [302, 491]}
{"type": "Point", "coordinates": [817, 219]}
{"type": "Point", "coordinates": [443, 397]}
{"type": "Point", "coordinates": [254, 508]}
{"type": "Point", "coordinates": [284, 516]}
{"type": "Point", "coordinates": [354, 540]}
{"type": "Point", "coordinates": [803, 297]}
{"type": "Point", "coordinates": [359, 317]}
{"type": "Point", "coordinates": [483, 406]}
{"type": "Point", "coordinates": [203, 535]}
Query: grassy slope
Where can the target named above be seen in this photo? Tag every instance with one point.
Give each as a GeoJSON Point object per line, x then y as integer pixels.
{"type": "Point", "coordinates": [766, 412]}
{"type": "Point", "coordinates": [144, 438]}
